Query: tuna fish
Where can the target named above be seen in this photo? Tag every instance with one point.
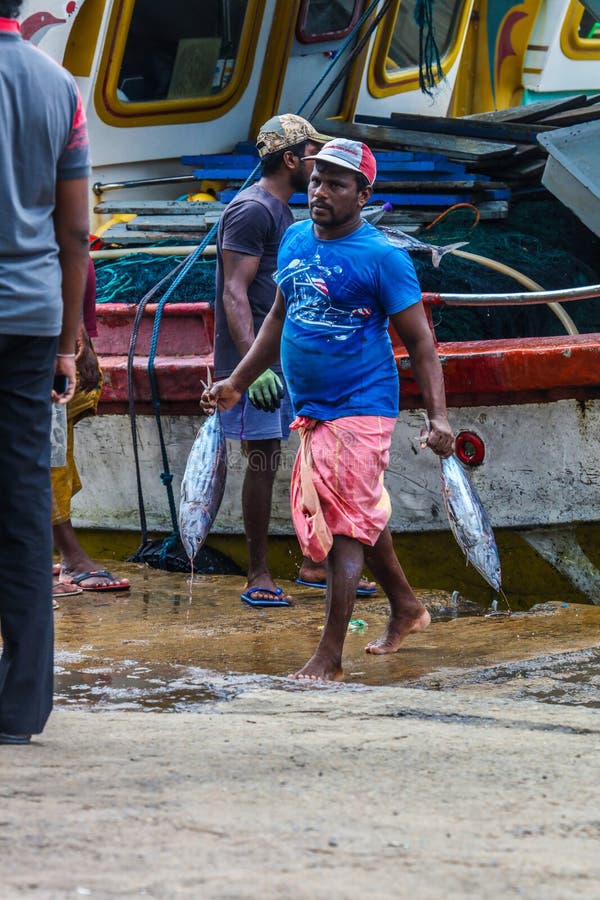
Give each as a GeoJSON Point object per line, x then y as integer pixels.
{"type": "Point", "coordinates": [469, 521]}
{"type": "Point", "coordinates": [400, 239]}
{"type": "Point", "coordinates": [203, 485]}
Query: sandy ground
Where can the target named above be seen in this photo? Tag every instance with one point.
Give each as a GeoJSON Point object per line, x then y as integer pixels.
{"type": "Point", "coordinates": [389, 792]}
{"type": "Point", "coordinates": [289, 791]}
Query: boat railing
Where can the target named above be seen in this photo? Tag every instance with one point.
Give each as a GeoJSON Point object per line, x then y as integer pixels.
{"type": "Point", "coordinates": [523, 298]}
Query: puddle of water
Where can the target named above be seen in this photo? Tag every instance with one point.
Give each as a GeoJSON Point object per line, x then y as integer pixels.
{"type": "Point", "coordinates": [151, 648]}
{"type": "Point", "coordinates": [571, 679]}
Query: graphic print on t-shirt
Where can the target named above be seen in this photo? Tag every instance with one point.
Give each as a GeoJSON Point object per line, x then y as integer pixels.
{"type": "Point", "coordinates": [306, 282]}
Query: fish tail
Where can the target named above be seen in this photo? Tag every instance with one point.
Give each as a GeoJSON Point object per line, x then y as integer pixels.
{"type": "Point", "coordinates": [438, 252]}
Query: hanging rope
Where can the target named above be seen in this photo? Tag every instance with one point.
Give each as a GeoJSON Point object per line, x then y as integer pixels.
{"type": "Point", "coordinates": [429, 54]}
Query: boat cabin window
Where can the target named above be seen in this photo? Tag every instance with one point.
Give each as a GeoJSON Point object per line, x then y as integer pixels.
{"type": "Point", "coordinates": [394, 64]}
{"type": "Point", "coordinates": [179, 49]}
{"type": "Point", "coordinates": [322, 20]}
{"type": "Point", "coordinates": [589, 24]}
{"type": "Point", "coordinates": [580, 35]}
{"type": "Point", "coordinates": [403, 50]}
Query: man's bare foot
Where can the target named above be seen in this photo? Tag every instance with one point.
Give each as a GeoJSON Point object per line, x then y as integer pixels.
{"type": "Point", "coordinates": [396, 630]}
{"type": "Point", "coordinates": [319, 669]}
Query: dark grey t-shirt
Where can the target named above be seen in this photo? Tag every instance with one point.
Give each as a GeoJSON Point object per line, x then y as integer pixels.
{"type": "Point", "coordinates": [43, 139]}
{"type": "Point", "coordinates": [253, 223]}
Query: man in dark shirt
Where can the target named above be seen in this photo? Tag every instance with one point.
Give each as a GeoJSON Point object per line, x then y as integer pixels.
{"type": "Point", "coordinates": [248, 239]}
{"type": "Point", "coordinates": [44, 167]}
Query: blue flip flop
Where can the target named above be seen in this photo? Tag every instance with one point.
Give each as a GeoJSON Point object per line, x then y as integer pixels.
{"type": "Point", "coordinates": [322, 585]}
{"type": "Point", "coordinates": [277, 596]}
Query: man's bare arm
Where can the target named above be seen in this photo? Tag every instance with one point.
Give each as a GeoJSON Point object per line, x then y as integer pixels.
{"type": "Point", "coordinates": [239, 271]}
{"type": "Point", "coordinates": [413, 330]}
{"type": "Point", "coordinates": [263, 353]}
{"type": "Point", "coordinates": [71, 225]}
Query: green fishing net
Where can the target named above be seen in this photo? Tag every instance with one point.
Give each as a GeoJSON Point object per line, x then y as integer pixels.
{"type": "Point", "coordinates": [541, 239]}
{"type": "Point", "coordinates": [128, 279]}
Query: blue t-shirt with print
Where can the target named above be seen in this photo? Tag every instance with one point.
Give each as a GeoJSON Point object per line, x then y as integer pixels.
{"type": "Point", "coordinates": [335, 349]}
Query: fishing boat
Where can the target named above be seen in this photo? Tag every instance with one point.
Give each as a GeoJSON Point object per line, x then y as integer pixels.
{"type": "Point", "coordinates": [162, 82]}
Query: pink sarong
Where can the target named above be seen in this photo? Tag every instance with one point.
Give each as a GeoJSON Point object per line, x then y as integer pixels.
{"type": "Point", "coordinates": [337, 481]}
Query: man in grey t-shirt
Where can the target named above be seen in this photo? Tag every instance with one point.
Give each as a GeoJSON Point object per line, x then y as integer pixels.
{"type": "Point", "coordinates": [44, 166]}
{"type": "Point", "coordinates": [248, 238]}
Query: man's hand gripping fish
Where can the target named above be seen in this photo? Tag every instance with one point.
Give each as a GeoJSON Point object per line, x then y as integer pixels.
{"type": "Point", "coordinates": [469, 521]}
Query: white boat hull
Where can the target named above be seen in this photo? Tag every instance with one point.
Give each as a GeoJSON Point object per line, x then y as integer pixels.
{"type": "Point", "coordinates": [541, 468]}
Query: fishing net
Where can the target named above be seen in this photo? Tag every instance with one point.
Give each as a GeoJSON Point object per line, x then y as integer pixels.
{"type": "Point", "coordinates": [169, 555]}
{"type": "Point", "coordinates": [541, 239]}
{"type": "Point", "coordinates": [128, 279]}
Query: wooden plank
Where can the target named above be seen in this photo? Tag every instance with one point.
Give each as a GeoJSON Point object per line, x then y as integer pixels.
{"type": "Point", "coordinates": [449, 144]}
{"type": "Point", "coordinates": [223, 174]}
{"type": "Point", "coordinates": [222, 160]}
{"type": "Point", "coordinates": [575, 116]}
{"type": "Point", "coordinates": [441, 200]}
{"type": "Point", "coordinates": [158, 207]}
{"type": "Point", "coordinates": [441, 165]}
{"type": "Point", "coordinates": [474, 185]}
{"type": "Point", "coordinates": [523, 153]}
{"type": "Point", "coordinates": [490, 131]}
{"type": "Point", "coordinates": [532, 112]}
{"type": "Point", "coordinates": [124, 237]}
{"type": "Point", "coordinates": [181, 224]}
{"type": "Point", "coordinates": [406, 219]}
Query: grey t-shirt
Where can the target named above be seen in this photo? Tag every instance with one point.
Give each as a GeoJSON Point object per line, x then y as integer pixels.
{"type": "Point", "coordinates": [253, 223]}
{"type": "Point", "coordinates": [43, 139]}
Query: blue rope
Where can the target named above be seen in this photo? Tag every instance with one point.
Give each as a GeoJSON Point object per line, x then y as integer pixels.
{"type": "Point", "coordinates": [166, 475]}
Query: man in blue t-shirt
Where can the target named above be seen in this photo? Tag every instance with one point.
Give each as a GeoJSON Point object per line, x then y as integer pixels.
{"type": "Point", "coordinates": [44, 228]}
{"type": "Point", "coordinates": [339, 282]}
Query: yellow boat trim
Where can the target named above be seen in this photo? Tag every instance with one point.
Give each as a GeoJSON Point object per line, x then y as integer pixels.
{"type": "Point", "coordinates": [274, 66]}
{"type": "Point", "coordinates": [83, 38]}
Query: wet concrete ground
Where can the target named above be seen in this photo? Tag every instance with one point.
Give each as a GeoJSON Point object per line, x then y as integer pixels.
{"type": "Point", "coordinates": [160, 647]}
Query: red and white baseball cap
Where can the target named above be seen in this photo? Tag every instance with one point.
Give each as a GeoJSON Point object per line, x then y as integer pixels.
{"type": "Point", "coordinates": [349, 155]}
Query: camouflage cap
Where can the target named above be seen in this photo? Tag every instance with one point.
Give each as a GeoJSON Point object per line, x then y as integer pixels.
{"type": "Point", "coordinates": [285, 131]}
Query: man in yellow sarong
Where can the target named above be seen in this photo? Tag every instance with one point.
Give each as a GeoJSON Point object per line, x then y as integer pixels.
{"type": "Point", "coordinates": [76, 571]}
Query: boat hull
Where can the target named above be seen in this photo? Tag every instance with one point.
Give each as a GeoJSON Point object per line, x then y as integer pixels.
{"type": "Point", "coordinates": [541, 468]}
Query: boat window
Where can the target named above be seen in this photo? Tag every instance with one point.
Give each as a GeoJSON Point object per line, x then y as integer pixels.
{"type": "Point", "coordinates": [322, 20]}
{"type": "Point", "coordinates": [580, 35]}
{"type": "Point", "coordinates": [179, 49]}
{"type": "Point", "coordinates": [589, 24]}
{"type": "Point", "coordinates": [403, 49]}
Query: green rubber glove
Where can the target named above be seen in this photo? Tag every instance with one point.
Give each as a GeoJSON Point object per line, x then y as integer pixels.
{"type": "Point", "coordinates": [266, 392]}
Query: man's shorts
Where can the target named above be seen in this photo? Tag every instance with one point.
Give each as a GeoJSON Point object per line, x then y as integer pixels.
{"type": "Point", "coordinates": [243, 422]}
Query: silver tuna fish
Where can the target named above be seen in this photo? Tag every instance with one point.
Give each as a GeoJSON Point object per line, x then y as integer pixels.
{"type": "Point", "coordinates": [203, 485]}
{"type": "Point", "coordinates": [407, 242]}
{"type": "Point", "coordinates": [469, 521]}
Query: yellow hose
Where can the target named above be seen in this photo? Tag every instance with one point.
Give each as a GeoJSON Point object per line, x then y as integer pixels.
{"type": "Point", "coordinates": [183, 250]}
{"type": "Point", "coordinates": [565, 319]}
